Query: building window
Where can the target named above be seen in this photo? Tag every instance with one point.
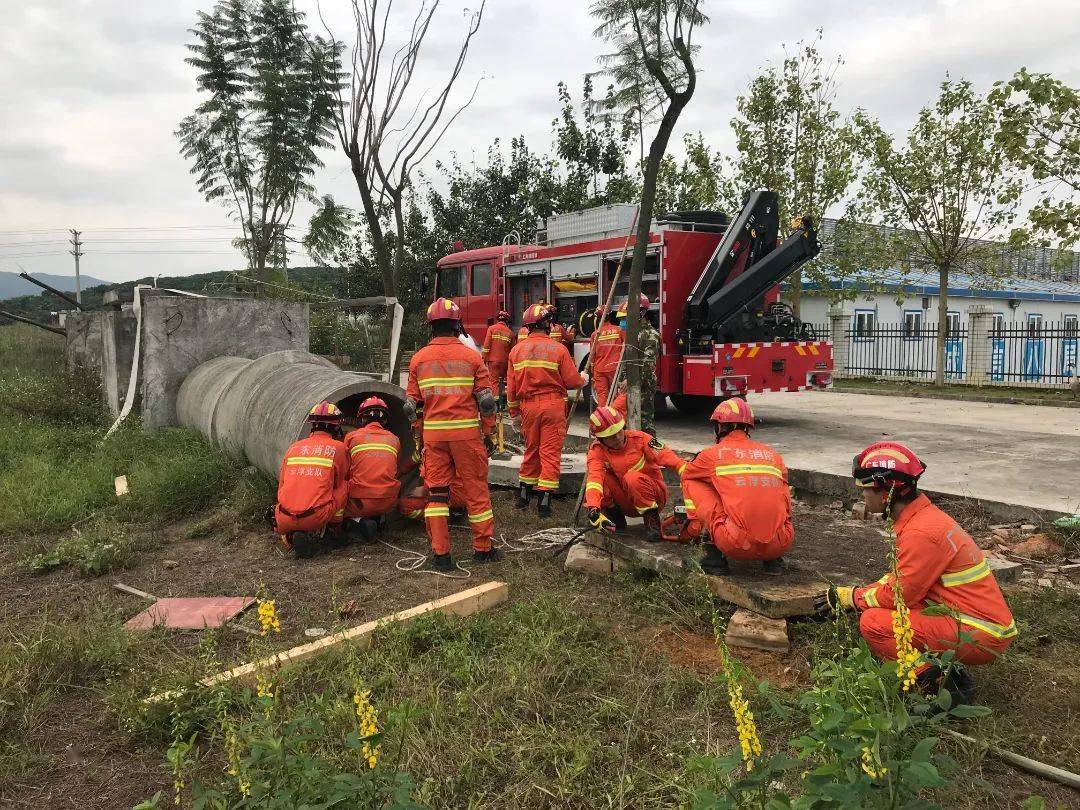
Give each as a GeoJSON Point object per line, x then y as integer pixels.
{"type": "Point", "coordinates": [912, 324]}
{"type": "Point", "coordinates": [451, 282]}
{"type": "Point", "coordinates": [864, 324]}
{"type": "Point", "coordinates": [1070, 324]}
{"type": "Point", "coordinates": [952, 324]}
{"type": "Point", "coordinates": [997, 325]}
{"type": "Point", "coordinates": [481, 279]}
{"type": "Point", "coordinates": [1034, 324]}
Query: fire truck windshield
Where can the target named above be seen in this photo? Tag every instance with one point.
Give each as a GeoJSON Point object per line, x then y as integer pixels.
{"type": "Point", "coordinates": [450, 282]}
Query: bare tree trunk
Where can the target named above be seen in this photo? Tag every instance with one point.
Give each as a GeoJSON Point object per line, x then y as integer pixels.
{"type": "Point", "coordinates": [378, 238]}
{"type": "Point", "coordinates": [942, 324]}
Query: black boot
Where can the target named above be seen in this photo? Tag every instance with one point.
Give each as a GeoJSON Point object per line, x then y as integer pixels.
{"type": "Point", "coordinates": [543, 504]}
{"type": "Point", "coordinates": [524, 496]}
{"type": "Point", "coordinates": [489, 556]}
{"type": "Point", "coordinates": [714, 562]}
{"type": "Point", "coordinates": [961, 686]}
{"type": "Point", "coordinates": [616, 516]}
{"type": "Point", "coordinates": [652, 525]}
{"type": "Point", "coordinates": [774, 567]}
{"type": "Point", "coordinates": [369, 528]}
{"type": "Point", "coordinates": [302, 544]}
{"type": "Point", "coordinates": [442, 562]}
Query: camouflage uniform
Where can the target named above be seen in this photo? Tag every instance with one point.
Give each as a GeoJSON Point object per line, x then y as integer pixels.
{"type": "Point", "coordinates": [648, 343]}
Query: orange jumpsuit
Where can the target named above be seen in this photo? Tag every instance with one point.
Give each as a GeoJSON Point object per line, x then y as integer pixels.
{"type": "Point", "coordinates": [496, 350]}
{"type": "Point", "coordinates": [737, 491]}
{"type": "Point", "coordinates": [540, 373]}
{"type": "Point", "coordinates": [446, 376]}
{"type": "Point", "coordinates": [630, 477]}
{"type": "Point", "coordinates": [373, 478]}
{"type": "Point", "coordinates": [939, 564]}
{"type": "Point", "coordinates": [522, 333]}
{"type": "Point", "coordinates": [607, 350]}
{"type": "Point", "coordinates": [313, 484]}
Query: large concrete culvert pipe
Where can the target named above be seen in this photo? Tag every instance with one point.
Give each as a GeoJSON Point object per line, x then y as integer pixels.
{"type": "Point", "coordinates": [255, 409]}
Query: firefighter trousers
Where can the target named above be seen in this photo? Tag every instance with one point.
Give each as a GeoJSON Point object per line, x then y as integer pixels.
{"type": "Point", "coordinates": [930, 633]}
{"type": "Point", "coordinates": [370, 507]}
{"type": "Point", "coordinates": [313, 522]}
{"type": "Point", "coordinates": [634, 493]}
{"type": "Point", "coordinates": [726, 534]}
{"type": "Point", "coordinates": [463, 464]}
{"type": "Point", "coordinates": [543, 425]}
{"type": "Point", "coordinates": [601, 385]}
{"type": "Point", "coordinates": [498, 377]}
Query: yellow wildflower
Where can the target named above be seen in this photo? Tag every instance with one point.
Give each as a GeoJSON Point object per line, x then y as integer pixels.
{"type": "Point", "coordinates": [264, 687]}
{"type": "Point", "coordinates": [367, 725]}
{"type": "Point", "coordinates": [268, 619]}
{"type": "Point", "coordinates": [749, 741]}
{"type": "Point", "coordinates": [232, 749]}
{"type": "Point", "coordinates": [871, 765]}
{"type": "Point", "coordinates": [907, 657]}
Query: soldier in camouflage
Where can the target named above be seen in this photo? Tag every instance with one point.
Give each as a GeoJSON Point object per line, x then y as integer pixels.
{"type": "Point", "coordinates": [648, 345]}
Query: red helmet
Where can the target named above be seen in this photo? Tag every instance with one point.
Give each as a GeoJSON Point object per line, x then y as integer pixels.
{"type": "Point", "coordinates": [887, 465]}
{"type": "Point", "coordinates": [535, 314]}
{"type": "Point", "coordinates": [733, 411]}
{"type": "Point", "coordinates": [371, 407]}
{"type": "Point", "coordinates": [326, 413]}
{"type": "Point", "coordinates": [606, 421]}
{"type": "Point", "coordinates": [643, 303]}
{"type": "Point", "coordinates": [503, 316]}
{"type": "Point", "coordinates": [443, 309]}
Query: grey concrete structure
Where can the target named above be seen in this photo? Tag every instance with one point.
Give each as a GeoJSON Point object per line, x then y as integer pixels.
{"type": "Point", "coordinates": [255, 409]}
{"type": "Point", "coordinates": [103, 342]}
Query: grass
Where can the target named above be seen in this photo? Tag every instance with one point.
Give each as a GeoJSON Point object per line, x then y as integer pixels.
{"type": "Point", "coordinates": [1042, 396]}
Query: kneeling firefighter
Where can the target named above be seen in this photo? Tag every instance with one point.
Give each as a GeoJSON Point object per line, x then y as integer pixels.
{"type": "Point", "coordinates": [373, 460]}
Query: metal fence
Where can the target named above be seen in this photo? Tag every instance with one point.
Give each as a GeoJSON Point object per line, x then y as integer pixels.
{"type": "Point", "coordinates": [1019, 354]}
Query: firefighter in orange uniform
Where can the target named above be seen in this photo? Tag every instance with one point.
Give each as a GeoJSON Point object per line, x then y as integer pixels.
{"type": "Point", "coordinates": [540, 373]}
{"type": "Point", "coordinates": [939, 565]}
{"type": "Point", "coordinates": [496, 350]}
{"type": "Point", "coordinates": [737, 492]}
{"type": "Point", "coordinates": [623, 472]}
{"type": "Point", "coordinates": [607, 349]}
{"type": "Point", "coordinates": [313, 485]}
{"type": "Point", "coordinates": [450, 385]}
{"type": "Point", "coordinates": [373, 460]}
{"type": "Point", "coordinates": [556, 333]}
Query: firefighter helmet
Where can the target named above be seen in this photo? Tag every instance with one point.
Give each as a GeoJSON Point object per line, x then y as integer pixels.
{"type": "Point", "coordinates": [326, 413]}
{"type": "Point", "coordinates": [889, 465]}
{"type": "Point", "coordinates": [643, 303]}
{"type": "Point", "coordinates": [535, 314]}
{"type": "Point", "coordinates": [503, 316]}
{"type": "Point", "coordinates": [443, 309]}
{"type": "Point", "coordinates": [734, 411]}
{"type": "Point", "coordinates": [606, 421]}
{"type": "Point", "coordinates": [373, 409]}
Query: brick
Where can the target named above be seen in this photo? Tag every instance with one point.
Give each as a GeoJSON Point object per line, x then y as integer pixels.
{"type": "Point", "coordinates": [749, 629]}
{"type": "Point", "coordinates": [1004, 570]}
{"type": "Point", "coordinates": [585, 559]}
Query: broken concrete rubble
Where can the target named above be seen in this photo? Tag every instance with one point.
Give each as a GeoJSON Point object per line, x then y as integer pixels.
{"type": "Point", "coordinates": [586, 559]}
{"type": "Point", "coordinates": [749, 629]}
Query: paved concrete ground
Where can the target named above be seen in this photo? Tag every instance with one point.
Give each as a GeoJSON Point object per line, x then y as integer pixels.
{"type": "Point", "coordinates": [1015, 454]}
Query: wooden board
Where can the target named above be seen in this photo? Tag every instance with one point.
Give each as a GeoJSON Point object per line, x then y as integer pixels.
{"type": "Point", "coordinates": [465, 603]}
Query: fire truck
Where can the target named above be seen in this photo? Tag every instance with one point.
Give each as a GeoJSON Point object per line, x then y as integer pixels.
{"type": "Point", "coordinates": [714, 284]}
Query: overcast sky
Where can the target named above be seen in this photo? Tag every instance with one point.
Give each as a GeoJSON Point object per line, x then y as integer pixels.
{"type": "Point", "coordinates": [92, 91]}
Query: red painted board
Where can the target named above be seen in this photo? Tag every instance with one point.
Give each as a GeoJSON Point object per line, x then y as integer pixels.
{"type": "Point", "coordinates": [190, 613]}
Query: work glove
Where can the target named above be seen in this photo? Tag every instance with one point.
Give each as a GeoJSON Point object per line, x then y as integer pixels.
{"type": "Point", "coordinates": [585, 376]}
{"type": "Point", "coordinates": [599, 521]}
{"type": "Point", "coordinates": [831, 602]}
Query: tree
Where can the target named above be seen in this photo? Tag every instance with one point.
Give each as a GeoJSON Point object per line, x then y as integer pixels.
{"type": "Point", "coordinates": [253, 141]}
{"type": "Point", "coordinates": [385, 129]}
{"type": "Point", "coordinates": [701, 181]}
{"type": "Point", "coordinates": [653, 69]}
{"type": "Point", "coordinates": [791, 140]}
{"type": "Point", "coordinates": [942, 194]}
{"type": "Point", "coordinates": [1040, 133]}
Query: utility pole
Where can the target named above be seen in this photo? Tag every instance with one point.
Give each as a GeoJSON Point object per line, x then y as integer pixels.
{"type": "Point", "coordinates": [76, 251]}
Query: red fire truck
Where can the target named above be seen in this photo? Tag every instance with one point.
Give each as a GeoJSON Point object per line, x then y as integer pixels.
{"type": "Point", "coordinates": [714, 284]}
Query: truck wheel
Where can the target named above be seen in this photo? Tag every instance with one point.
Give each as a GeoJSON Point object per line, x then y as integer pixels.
{"type": "Point", "coordinates": [692, 405]}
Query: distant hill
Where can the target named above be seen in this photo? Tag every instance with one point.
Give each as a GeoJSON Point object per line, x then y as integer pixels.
{"type": "Point", "coordinates": [11, 286]}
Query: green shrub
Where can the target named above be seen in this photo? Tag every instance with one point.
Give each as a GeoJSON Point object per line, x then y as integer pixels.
{"type": "Point", "coordinates": [101, 547]}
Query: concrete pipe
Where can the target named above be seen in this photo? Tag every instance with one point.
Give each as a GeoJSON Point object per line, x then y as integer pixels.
{"type": "Point", "coordinates": [256, 408]}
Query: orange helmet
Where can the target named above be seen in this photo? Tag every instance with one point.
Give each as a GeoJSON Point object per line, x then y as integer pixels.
{"type": "Point", "coordinates": [374, 409]}
{"type": "Point", "coordinates": [733, 411]}
{"type": "Point", "coordinates": [643, 303]}
{"type": "Point", "coordinates": [443, 309]}
{"type": "Point", "coordinates": [326, 413]}
{"type": "Point", "coordinates": [606, 421]}
{"type": "Point", "coordinates": [535, 314]}
{"type": "Point", "coordinates": [503, 316]}
{"type": "Point", "coordinates": [887, 465]}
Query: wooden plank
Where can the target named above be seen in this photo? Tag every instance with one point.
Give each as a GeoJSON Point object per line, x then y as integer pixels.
{"type": "Point", "coordinates": [465, 603]}
{"type": "Point", "coordinates": [120, 586]}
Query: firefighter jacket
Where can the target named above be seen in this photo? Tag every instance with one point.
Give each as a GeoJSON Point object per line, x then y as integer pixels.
{"type": "Point", "coordinates": [940, 564]}
{"type": "Point", "coordinates": [750, 481]}
{"type": "Point", "coordinates": [497, 343]}
{"type": "Point", "coordinates": [609, 346]}
{"type": "Point", "coordinates": [540, 368]}
{"type": "Point", "coordinates": [313, 474]}
{"type": "Point", "coordinates": [447, 379]}
{"type": "Point", "coordinates": [558, 334]}
{"type": "Point", "coordinates": [522, 333]}
{"type": "Point", "coordinates": [373, 462]}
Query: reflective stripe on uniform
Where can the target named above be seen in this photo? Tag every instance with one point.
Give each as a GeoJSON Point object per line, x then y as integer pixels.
{"type": "Point", "coordinates": [487, 514]}
{"type": "Point", "coordinates": [972, 574]}
{"type": "Point", "coordinates": [450, 424]}
{"type": "Point", "coordinates": [510, 404]}
{"type": "Point", "coordinates": [536, 364]}
{"type": "Point", "coordinates": [505, 338]}
{"type": "Point", "coordinates": [360, 448]}
{"type": "Point", "coordinates": [437, 382]}
{"type": "Point", "coordinates": [870, 597]}
{"type": "Point", "coordinates": [415, 513]}
{"type": "Point", "coordinates": [647, 507]}
{"type": "Point", "coordinates": [610, 336]}
{"type": "Point", "coordinates": [437, 511]}
{"type": "Point", "coordinates": [748, 469]}
{"type": "Point", "coordinates": [595, 487]}
{"type": "Point", "coordinates": [689, 504]}
{"type": "Point", "coordinates": [313, 461]}
{"type": "Point", "coordinates": [682, 467]}
{"type": "Point", "coordinates": [544, 482]}
{"type": "Point", "coordinates": [527, 480]}
{"type": "Point", "coordinates": [638, 465]}
{"type": "Point", "coordinates": [993, 629]}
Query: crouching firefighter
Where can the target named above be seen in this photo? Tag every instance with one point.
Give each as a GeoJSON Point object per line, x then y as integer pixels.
{"type": "Point", "coordinates": [623, 472]}
{"type": "Point", "coordinates": [313, 486]}
{"type": "Point", "coordinates": [939, 566]}
{"type": "Point", "coordinates": [374, 485]}
{"type": "Point", "coordinates": [450, 384]}
{"type": "Point", "coordinates": [736, 492]}
{"type": "Point", "coordinates": [540, 373]}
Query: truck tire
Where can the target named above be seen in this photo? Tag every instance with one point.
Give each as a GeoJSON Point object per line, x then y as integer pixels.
{"type": "Point", "coordinates": [693, 405]}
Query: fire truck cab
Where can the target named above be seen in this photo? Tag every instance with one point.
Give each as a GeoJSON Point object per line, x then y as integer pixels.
{"type": "Point", "coordinates": [714, 285]}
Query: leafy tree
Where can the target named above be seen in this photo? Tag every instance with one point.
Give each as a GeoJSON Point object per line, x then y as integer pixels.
{"type": "Point", "coordinates": [1040, 132]}
{"type": "Point", "coordinates": [700, 181]}
{"type": "Point", "coordinates": [791, 140]}
{"type": "Point", "coordinates": [941, 193]}
{"type": "Point", "coordinates": [653, 70]}
{"type": "Point", "coordinates": [267, 108]}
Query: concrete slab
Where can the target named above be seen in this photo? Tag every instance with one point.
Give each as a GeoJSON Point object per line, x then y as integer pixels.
{"type": "Point", "coordinates": [748, 629]}
{"type": "Point", "coordinates": [586, 559]}
{"type": "Point", "coordinates": [504, 472]}
{"type": "Point", "coordinates": [994, 454]}
{"type": "Point", "coordinates": [1004, 570]}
